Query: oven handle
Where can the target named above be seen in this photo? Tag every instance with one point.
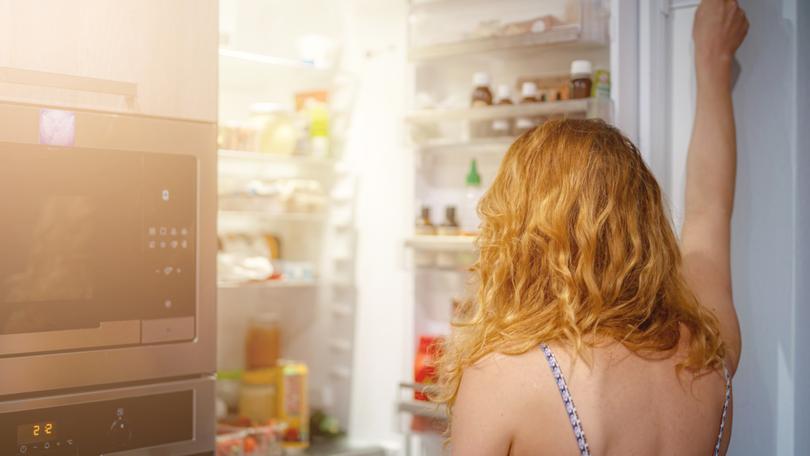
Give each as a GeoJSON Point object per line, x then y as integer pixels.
{"type": "Point", "coordinates": [68, 82]}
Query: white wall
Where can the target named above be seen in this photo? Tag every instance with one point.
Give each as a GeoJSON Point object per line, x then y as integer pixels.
{"type": "Point", "coordinates": [769, 247]}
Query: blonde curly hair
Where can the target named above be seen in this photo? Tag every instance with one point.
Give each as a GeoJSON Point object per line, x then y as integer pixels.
{"type": "Point", "coordinates": [576, 247]}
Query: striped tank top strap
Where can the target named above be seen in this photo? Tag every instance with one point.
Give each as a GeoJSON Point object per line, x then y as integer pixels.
{"type": "Point", "coordinates": [725, 413]}
{"type": "Point", "coordinates": [568, 401]}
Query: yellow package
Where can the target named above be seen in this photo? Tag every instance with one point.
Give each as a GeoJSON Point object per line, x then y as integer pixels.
{"type": "Point", "coordinates": [293, 407]}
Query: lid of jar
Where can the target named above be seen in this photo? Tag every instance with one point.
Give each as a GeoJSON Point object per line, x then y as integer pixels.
{"type": "Point", "coordinates": [481, 79]}
{"type": "Point", "coordinates": [581, 67]}
{"type": "Point", "coordinates": [528, 89]}
{"type": "Point", "coordinates": [504, 92]}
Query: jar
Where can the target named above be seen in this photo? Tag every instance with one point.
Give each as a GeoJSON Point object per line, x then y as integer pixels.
{"type": "Point", "coordinates": [258, 398]}
{"type": "Point", "coordinates": [228, 389]}
{"type": "Point", "coordinates": [277, 132]}
{"type": "Point", "coordinates": [263, 342]}
{"type": "Point", "coordinates": [581, 79]}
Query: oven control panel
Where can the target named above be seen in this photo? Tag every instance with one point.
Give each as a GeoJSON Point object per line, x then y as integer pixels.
{"type": "Point", "coordinates": [102, 427]}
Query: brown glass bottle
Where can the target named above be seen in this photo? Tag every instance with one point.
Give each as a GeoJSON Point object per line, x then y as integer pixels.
{"type": "Point", "coordinates": [581, 82]}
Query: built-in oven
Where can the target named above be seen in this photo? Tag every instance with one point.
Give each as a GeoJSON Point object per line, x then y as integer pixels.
{"type": "Point", "coordinates": [108, 245]}
{"type": "Point", "coordinates": [164, 419]}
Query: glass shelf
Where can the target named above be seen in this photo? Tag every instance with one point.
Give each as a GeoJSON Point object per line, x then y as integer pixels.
{"type": "Point", "coordinates": [422, 408]}
{"type": "Point", "coordinates": [257, 157]}
{"type": "Point", "coordinates": [271, 60]}
{"type": "Point", "coordinates": [590, 107]}
{"type": "Point", "coordinates": [442, 243]}
{"type": "Point", "coordinates": [271, 284]}
{"type": "Point", "coordinates": [568, 37]}
{"type": "Point", "coordinates": [305, 217]}
{"type": "Point", "coordinates": [488, 146]}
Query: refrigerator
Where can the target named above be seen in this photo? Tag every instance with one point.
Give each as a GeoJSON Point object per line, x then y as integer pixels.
{"type": "Point", "coordinates": [352, 282]}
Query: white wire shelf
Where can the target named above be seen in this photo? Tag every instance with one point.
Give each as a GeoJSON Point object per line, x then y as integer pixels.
{"type": "Point", "coordinates": [269, 284]}
{"type": "Point", "coordinates": [442, 243]}
{"type": "Point", "coordinates": [590, 107]}
{"type": "Point", "coordinates": [563, 36]}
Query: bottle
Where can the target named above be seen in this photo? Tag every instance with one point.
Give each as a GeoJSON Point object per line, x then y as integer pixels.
{"type": "Point", "coordinates": [472, 194]}
{"type": "Point", "coordinates": [263, 342]}
{"type": "Point", "coordinates": [481, 96]}
{"type": "Point", "coordinates": [448, 228]}
{"type": "Point", "coordinates": [424, 227]}
{"type": "Point", "coordinates": [601, 87]}
{"type": "Point", "coordinates": [503, 127]}
{"type": "Point", "coordinates": [529, 95]}
{"type": "Point", "coordinates": [581, 79]}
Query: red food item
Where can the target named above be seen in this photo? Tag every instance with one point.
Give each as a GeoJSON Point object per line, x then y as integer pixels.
{"type": "Point", "coordinates": [292, 435]}
{"type": "Point", "coordinates": [424, 371]}
{"type": "Point", "coordinates": [250, 444]}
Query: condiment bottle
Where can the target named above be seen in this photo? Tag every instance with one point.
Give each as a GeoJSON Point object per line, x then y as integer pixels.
{"type": "Point", "coordinates": [481, 96]}
{"type": "Point", "coordinates": [424, 227]}
{"type": "Point", "coordinates": [581, 79]}
{"type": "Point", "coordinates": [448, 228]}
{"type": "Point", "coordinates": [472, 194]}
{"type": "Point", "coordinates": [503, 127]}
{"type": "Point", "coordinates": [529, 95]}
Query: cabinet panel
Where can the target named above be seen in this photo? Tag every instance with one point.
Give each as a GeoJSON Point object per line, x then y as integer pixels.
{"type": "Point", "coordinates": [167, 49]}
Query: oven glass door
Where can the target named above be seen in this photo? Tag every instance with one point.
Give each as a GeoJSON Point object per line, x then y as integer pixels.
{"type": "Point", "coordinates": [98, 248]}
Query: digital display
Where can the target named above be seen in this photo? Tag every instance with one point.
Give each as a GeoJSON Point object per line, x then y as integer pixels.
{"type": "Point", "coordinates": [36, 432]}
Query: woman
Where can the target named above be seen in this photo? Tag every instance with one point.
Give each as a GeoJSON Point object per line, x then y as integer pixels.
{"type": "Point", "coordinates": [593, 331]}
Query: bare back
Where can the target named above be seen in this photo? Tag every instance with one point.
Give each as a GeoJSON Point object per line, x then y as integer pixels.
{"type": "Point", "coordinates": [627, 405]}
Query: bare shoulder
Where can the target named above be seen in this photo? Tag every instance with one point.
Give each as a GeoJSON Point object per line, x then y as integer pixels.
{"type": "Point", "coordinates": [495, 397]}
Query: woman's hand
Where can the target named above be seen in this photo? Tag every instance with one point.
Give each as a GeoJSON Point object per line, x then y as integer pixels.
{"type": "Point", "coordinates": [719, 29]}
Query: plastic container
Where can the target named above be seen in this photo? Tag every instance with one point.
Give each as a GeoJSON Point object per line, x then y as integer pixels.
{"type": "Point", "coordinates": [230, 442]}
{"type": "Point", "coordinates": [256, 440]}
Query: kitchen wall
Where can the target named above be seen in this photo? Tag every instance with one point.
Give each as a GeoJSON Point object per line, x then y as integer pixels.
{"type": "Point", "coordinates": [770, 250]}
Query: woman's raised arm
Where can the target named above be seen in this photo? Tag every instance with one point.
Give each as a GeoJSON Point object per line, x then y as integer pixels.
{"type": "Point", "coordinates": [719, 28]}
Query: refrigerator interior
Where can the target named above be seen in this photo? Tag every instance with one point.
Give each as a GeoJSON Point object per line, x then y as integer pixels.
{"type": "Point", "coordinates": [359, 286]}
